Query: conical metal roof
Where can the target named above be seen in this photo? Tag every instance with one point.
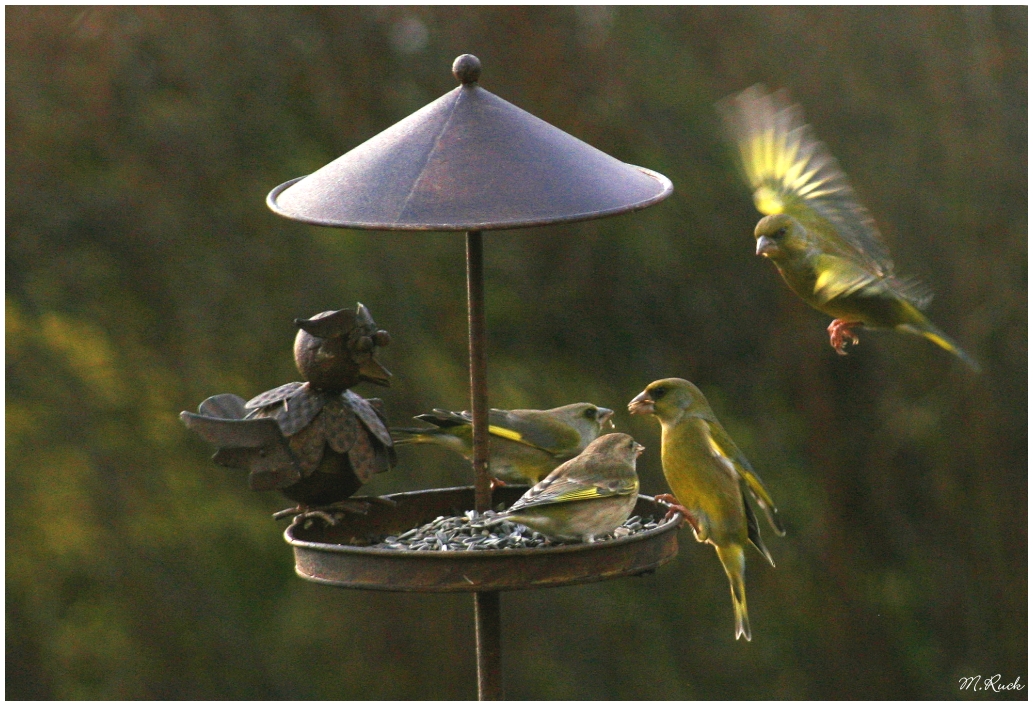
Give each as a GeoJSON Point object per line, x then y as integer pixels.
{"type": "Point", "coordinates": [468, 161]}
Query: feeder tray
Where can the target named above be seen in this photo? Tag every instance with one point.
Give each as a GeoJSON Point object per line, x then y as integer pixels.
{"type": "Point", "coordinates": [328, 553]}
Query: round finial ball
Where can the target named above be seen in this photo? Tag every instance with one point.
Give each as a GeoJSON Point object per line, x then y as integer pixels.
{"type": "Point", "coordinates": [467, 68]}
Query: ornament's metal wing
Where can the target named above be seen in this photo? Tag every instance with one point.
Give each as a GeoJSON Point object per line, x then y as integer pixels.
{"type": "Point", "coordinates": [277, 394]}
{"type": "Point", "coordinates": [295, 411]}
{"type": "Point", "coordinates": [363, 457]}
{"type": "Point", "coordinates": [271, 468]}
{"type": "Point", "coordinates": [224, 406]}
{"type": "Point", "coordinates": [308, 445]}
{"type": "Point", "coordinates": [234, 458]}
{"type": "Point", "coordinates": [233, 433]}
{"type": "Point", "coordinates": [368, 414]}
{"type": "Point", "coordinates": [386, 458]}
{"type": "Point", "coordinates": [340, 425]}
{"type": "Point", "coordinates": [255, 445]}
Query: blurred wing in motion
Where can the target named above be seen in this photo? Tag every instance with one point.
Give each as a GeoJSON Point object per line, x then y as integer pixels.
{"type": "Point", "coordinates": [792, 172]}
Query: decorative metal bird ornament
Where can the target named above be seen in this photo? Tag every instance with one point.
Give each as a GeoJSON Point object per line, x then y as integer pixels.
{"type": "Point", "coordinates": [317, 442]}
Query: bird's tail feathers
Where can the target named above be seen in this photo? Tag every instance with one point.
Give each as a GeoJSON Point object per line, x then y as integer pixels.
{"type": "Point", "coordinates": [412, 435]}
{"type": "Point", "coordinates": [444, 418]}
{"type": "Point", "coordinates": [927, 330]}
{"type": "Point", "coordinates": [733, 559]}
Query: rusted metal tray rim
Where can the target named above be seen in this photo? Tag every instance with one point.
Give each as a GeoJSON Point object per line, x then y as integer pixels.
{"type": "Point", "coordinates": [664, 184]}
{"type": "Point", "coordinates": [326, 555]}
{"type": "Point", "coordinates": [474, 555]}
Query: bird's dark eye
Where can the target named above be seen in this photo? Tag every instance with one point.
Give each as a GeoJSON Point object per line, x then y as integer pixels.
{"type": "Point", "coordinates": [659, 392]}
{"type": "Point", "coordinates": [779, 233]}
{"type": "Point", "coordinates": [590, 413]}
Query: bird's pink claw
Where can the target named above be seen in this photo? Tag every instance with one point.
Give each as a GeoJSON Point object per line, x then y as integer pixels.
{"type": "Point", "coordinates": [840, 333]}
{"type": "Point", "coordinates": [674, 507]}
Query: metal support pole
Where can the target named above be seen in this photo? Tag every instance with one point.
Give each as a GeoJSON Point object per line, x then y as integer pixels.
{"type": "Point", "coordinates": [489, 645]}
{"type": "Point", "coordinates": [486, 604]}
{"type": "Point", "coordinates": [478, 369]}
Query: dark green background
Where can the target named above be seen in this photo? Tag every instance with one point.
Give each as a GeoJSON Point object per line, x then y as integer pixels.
{"type": "Point", "coordinates": [144, 273]}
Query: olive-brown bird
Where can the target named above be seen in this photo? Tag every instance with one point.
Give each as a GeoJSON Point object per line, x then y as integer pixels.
{"type": "Point", "coordinates": [589, 496]}
{"type": "Point", "coordinates": [711, 479]}
{"type": "Point", "coordinates": [525, 444]}
{"type": "Point", "coordinates": [822, 240]}
{"type": "Point", "coordinates": [317, 442]}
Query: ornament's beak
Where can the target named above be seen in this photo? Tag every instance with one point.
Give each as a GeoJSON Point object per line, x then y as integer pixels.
{"type": "Point", "coordinates": [372, 371]}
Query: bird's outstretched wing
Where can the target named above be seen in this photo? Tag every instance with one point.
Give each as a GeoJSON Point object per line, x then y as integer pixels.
{"type": "Point", "coordinates": [842, 277]}
{"type": "Point", "coordinates": [753, 532]}
{"type": "Point", "coordinates": [723, 448]}
{"type": "Point", "coordinates": [792, 172]}
{"type": "Point", "coordinates": [537, 428]}
{"type": "Point", "coordinates": [526, 426]}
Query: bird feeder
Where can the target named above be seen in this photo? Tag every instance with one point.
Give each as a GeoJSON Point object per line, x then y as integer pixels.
{"type": "Point", "coordinates": [471, 162]}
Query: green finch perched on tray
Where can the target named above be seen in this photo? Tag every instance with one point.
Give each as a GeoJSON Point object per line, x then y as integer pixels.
{"type": "Point", "coordinates": [711, 479]}
{"type": "Point", "coordinates": [590, 495]}
{"type": "Point", "coordinates": [816, 232]}
{"type": "Point", "coordinates": [526, 444]}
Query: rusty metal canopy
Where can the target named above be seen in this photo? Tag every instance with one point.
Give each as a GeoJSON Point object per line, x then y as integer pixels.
{"type": "Point", "coordinates": [468, 161]}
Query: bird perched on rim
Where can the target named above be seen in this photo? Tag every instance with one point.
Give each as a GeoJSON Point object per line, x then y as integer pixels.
{"type": "Point", "coordinates": [525, 444]}
{"type": "Point", "coordinates": [711, 479]}
{"type": "Point", "coordinates": [822, 240]}
{"type": "Point", "coordinates": [586, 497]}
{"type": "Point", "coordinates": [317, 442]}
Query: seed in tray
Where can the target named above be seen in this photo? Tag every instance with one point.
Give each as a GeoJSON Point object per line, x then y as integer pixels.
{"type": "Point", "coordinates": [468, 533]}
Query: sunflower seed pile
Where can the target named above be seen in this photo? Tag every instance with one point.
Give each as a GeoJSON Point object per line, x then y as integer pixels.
{"type": "Point", "coordinates": [471, 532]}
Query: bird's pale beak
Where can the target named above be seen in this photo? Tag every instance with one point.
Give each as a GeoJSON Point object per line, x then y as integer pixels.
{"type": "Point", "coordinates": [372, 371]}
{"type": "Point", "coordinates": [639, 448]}
{"type": "Point", "coordinates": [605, 417]}
{"type": "Point", "coordinates": [642, 404]}
{"type": "Point", "coordinates": [766, 246]}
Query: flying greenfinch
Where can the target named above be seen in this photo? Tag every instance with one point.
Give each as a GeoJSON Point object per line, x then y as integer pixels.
{"type": "Point", "coordinates": [822, 240]}
{"type": "Point", "coordinates": [525, 444]}
{"type": "Point", "coordinates": [588, 496]}
{"type": "Point", "coordinates": [710, 478]}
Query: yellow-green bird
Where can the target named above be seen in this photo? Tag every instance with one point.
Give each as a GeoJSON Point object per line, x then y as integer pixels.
{"type": "Point", "coordinates": [710, 478]}
{"type": "Point", "coordinates": [590, 495]}
{"type": "Point", "coordinates": [525, 444]}
{"type": "Point", "coordinates": [822, 240]}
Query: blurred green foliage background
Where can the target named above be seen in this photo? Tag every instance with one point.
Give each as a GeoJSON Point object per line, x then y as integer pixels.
{"type": "Point", "coordinates": [144, 273]}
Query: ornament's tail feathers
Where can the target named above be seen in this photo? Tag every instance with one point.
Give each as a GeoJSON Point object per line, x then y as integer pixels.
{"type": "Point", "coordinates": [734, 561]}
